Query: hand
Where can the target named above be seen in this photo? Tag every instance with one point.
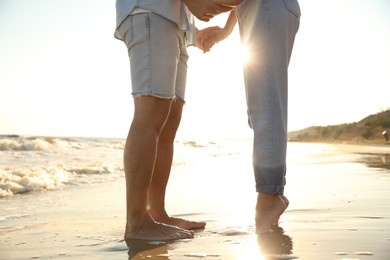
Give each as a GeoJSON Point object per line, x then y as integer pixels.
{"type": "Point", "coordinates": [202, 37]}
{"type": "Point", "coordinates": [208, 37]}
{"type": "Point", "coordinates": [206, 9]}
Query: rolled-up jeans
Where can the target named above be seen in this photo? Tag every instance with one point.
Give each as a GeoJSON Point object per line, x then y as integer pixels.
{"type": "Point", "coordinates": [268, 29]}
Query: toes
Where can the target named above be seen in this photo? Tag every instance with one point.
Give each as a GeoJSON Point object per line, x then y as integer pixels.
{"type": "Point", "coordinates": [185, 224]}
{"type": "Point", "coordinates": [183, 234]}
{"type": "Point", "coordinates": [196, 225]}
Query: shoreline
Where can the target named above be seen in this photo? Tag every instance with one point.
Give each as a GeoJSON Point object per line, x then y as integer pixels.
{"type": "Point", "coordinates": [338, 210]}
{"type": "Point", "coordinates": [352, 147]}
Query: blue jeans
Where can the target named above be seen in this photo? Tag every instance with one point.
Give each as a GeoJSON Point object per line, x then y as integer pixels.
{"type": "Point", "coordinates": [268, 29]}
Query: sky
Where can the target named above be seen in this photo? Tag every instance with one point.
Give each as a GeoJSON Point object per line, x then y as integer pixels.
{"type": "Point", "coordinates": [62, 73]}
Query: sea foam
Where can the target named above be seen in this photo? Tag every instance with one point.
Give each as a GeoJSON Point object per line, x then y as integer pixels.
{"type": "Point", "coordinates": [22, 180]}
{"type": "Point", "coordinates": [30, 164]}
{"type": "Point", "coordinates": [33, 144]}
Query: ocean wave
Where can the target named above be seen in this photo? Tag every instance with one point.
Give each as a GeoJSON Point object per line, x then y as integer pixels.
{"type": "Point", "coordinates": [95, 169]}
{"type": "Point", "coordinates": [23, 180]}
{"type": "Point", "coordinates": [34, 144]}
{"type": "Point", "coordinates": [56, 144]}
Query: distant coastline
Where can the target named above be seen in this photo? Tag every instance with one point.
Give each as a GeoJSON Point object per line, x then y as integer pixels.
{"type": "Point", "coordinates": [373, 129]}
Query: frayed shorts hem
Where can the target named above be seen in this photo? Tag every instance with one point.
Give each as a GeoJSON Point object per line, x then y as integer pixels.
{"type": "Point", "coordinates": [162, 96]}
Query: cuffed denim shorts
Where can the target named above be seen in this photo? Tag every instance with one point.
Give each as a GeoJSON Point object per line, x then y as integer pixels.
{"type": "Point", "coordinates": [158, 55]}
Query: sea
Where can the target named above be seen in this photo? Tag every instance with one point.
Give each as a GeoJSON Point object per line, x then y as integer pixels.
{"type": "Point", "coordinates": [34, 164]}
{"type": "Point", "coordinates": [30, 164]}
{"type": "Point", "coordinates": [37, 165]}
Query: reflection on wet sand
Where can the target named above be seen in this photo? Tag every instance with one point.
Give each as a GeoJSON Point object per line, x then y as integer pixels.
{"type": "Point", "coordinates": [377, 160]}
{"type": "Point", "coordinates": [143, 249]}
{"type": "Point", "coordinates": [276, 245]}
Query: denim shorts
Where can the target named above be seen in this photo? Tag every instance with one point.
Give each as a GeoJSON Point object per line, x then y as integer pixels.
{"type": "Point", "coordinates": [158, 55]}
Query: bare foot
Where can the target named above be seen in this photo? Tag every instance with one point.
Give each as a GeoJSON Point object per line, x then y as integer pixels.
{"type": "Point", "coordinates": [152, 230]}
{"type": "Point", "coordinates": [160, 215]}
{"type": "Point", "coordinates": [182, 223]}
{"type": "Point", "coordinates": [287, 203]}
{"type": "Point", "coordinates": [268, 209]}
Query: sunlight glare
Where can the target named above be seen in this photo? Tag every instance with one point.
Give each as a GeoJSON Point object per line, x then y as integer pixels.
{"type": "Point", "coordinates": [249, 249]}
{"type": "Point", "coordinates": [244, 54]}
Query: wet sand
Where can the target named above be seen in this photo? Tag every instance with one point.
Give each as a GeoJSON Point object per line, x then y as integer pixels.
{"type": "Point", "coordinates": [340, 209]}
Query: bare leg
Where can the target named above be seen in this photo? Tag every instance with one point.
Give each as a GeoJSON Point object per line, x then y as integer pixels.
{"type": "Point", "coordinates": [268, 209]}
{"type": "Point", "coordinates": [150, 115]}
{"type": "Point", "coordinates": [162, 171]}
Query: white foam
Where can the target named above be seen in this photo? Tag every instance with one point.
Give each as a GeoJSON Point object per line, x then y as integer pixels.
{"type": "Point", "coordinates": [19, 180]}
{"type": "Point", "coordinates": [280, 256]}
{"type": "Point", "coordinates": [22, 180]}
{"type": "Point", "coordinates": [364, 253]}
{"type": "Point", "coordinates": [34, 144]}
{"type": "Point", "coordinates": [201, 255]}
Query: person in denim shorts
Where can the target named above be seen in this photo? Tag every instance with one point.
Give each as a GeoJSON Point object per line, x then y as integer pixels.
{"type": "Point", "coordinates": [156, 33]}
{"type": "Point", "coordinates": [267, 29]}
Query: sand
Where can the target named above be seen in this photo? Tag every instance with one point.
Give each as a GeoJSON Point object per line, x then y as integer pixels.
{"type": "Point", "coordinates": [339, 210]}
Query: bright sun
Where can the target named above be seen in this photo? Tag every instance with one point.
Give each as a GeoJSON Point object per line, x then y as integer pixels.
{"type": "Point", "coordinates": [244, 54]}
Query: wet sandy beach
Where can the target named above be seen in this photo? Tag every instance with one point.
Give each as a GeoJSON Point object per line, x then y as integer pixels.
{"type": "Point", "coordinates": [339, 210]}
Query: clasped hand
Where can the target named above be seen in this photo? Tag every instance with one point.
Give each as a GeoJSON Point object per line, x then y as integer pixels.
{"type": "Point", "coordinates": [206, 38]}
{"type": "Point", "coordinates": [205, 10]}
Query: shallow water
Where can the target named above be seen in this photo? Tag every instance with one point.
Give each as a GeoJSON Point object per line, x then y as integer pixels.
{"type": "Point", "coordinates": [339, 201]}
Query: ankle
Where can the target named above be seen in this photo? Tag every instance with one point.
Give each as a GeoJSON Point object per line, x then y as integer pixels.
{"type": "Point", "coordinates": [267, 201]}
{"type": "Point", "coordinates": [158, 214]}
{"type": "Point", "coordinates": [137, 221]}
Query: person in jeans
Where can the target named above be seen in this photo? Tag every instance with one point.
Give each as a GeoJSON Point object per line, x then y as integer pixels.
{"type": "Point", "coordinates": [267, 29]}
{"type": "Point", "coordinates": [156, 33]}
